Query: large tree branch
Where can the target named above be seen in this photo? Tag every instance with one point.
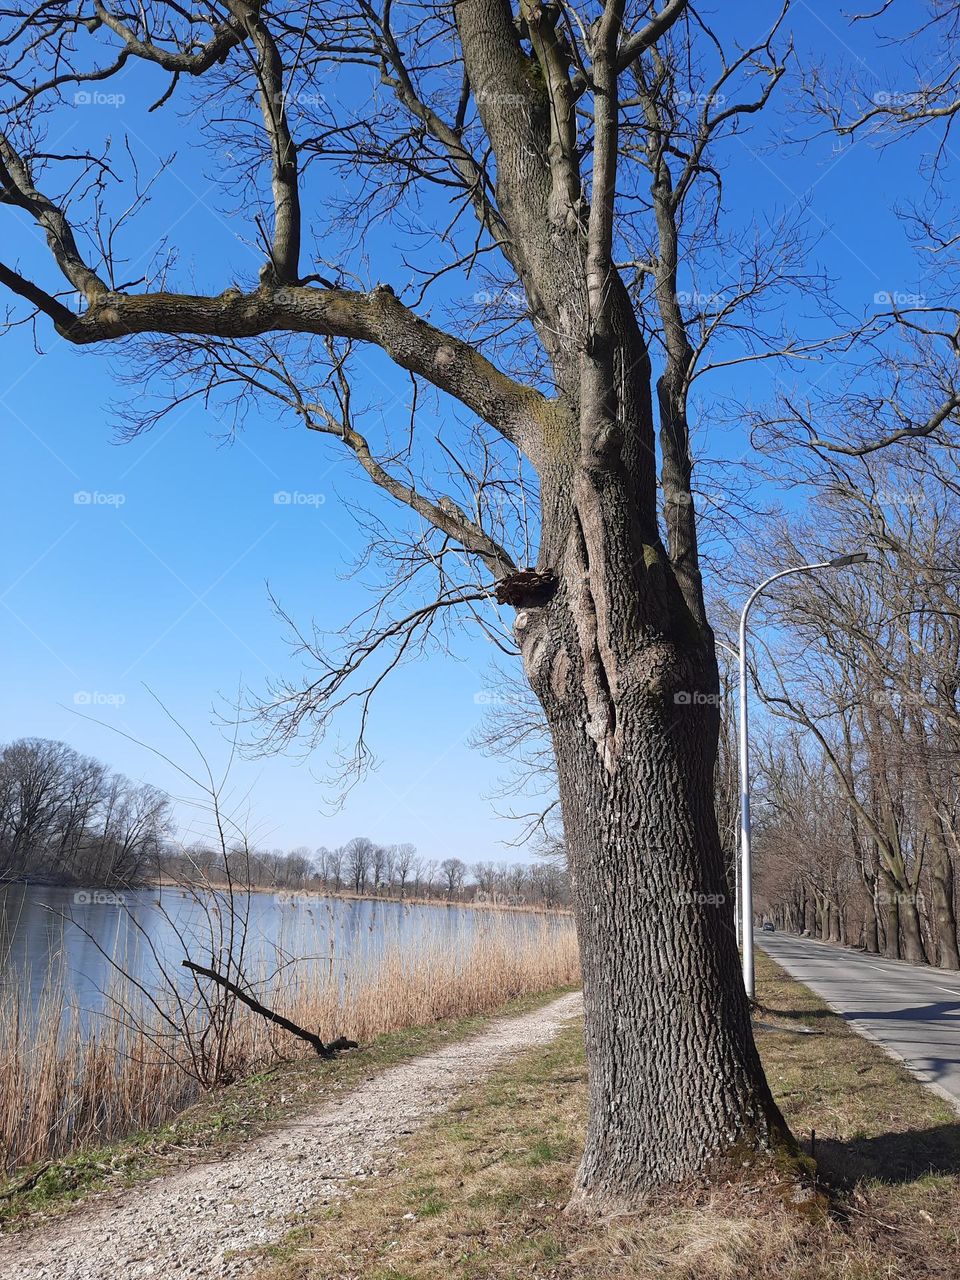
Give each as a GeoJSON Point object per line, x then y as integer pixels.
{"type": "Point", "coordinates": [514, 108]}
{"type": "Point", "coordinates": [443, 514]}
{"type": "Point", "coordinates": [911, 431]}
{"type": "Point", "coordinates": [599, 266]}
{"type": "Point", "coordinates": [285, 179]}
{"type": "Point", "coordinates": [324, 1050]}
{"type": "Point", "coordinates": [518, 412]}
{"type": "Point", "coordinates": [265, 372]}
{"type": "Point", "coordinates": [673, 385]}
{"type": "Point", "coordinates": [17, 188]}
{"type": "Point", "coordinates": [245, 23]}
{"type": "Point", "coordinates": [554, 52]}
{"type": "Point", "coordinates": [226, 35]}
{"type": "Point", "coordinates": [647, 36]}
{"type": "Point", "coordinates": [39, 298]}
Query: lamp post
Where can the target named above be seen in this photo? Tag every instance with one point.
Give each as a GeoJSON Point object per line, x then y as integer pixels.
{"type": "Point", "coordinates": [722, 644]}
{"type": "Point", "coordinates": [746, 861]}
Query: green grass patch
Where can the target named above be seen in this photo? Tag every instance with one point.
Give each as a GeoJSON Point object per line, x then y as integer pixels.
{"type": "Point", "coordinates": [487, 1182]}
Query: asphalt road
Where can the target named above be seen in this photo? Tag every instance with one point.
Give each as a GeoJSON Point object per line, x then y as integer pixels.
{"type": "Point", "coordinates": [911, 1010]}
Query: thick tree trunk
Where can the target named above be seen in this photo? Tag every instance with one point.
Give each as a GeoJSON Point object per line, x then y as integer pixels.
{"type": "Point", "coordinates": [942, 893]}
{"type": "Point", "coordinates": [891, 898]}
{"type": "Point", "coordinates": [946, 919]}
{"type": "Point", "coordinates": [675, 1079]}
{"type": "Point", "coordinates": [621, 657]}
{"type": "Point", "coordinates": [942, 881]}
{"type": "Point", "coordinates": [809, 915]}
{"type": "Point", "coordinates": [871, 925]}
{"type": "Point", "coordinates": [823, 916]}
{"type": "Point", "coordinates": [913, 948]}
{"type": "Point", "coordinates": [902, 891]}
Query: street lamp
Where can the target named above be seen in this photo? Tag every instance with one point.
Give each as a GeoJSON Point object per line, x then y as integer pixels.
{"type": "Point", "coordinates": [746, 863]}
{"type": "Point", "coordinates": [736, 856]}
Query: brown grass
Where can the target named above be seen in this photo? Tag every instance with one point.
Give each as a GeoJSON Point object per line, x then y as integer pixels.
{"type": "Point", "coordinates": [67, 1087]}
{"type": "Point", "coordinates": [487, 1183]}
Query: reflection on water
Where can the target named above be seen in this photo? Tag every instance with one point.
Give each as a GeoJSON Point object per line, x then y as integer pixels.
{"type": "Point", "coordinates": [49, 935]}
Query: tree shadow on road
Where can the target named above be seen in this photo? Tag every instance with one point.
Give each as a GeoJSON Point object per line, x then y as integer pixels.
{"type": "Point", "coordinates": [798, 1015]}
{"type": "Point", "coordinates": [946, 1011]}
{"type": "Point", "coordinates": [893, 1158]}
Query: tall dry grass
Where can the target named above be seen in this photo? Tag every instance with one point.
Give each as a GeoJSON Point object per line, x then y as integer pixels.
{"type": "Point", "coordinates": [69, 1081]}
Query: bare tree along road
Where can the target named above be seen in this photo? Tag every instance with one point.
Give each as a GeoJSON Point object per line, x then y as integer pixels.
{"type": "Point", "coordinates": [911, 1010]}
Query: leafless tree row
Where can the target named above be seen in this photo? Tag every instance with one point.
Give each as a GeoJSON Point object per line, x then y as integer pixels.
{"type": "Point", "coordinates": [361, 866]}
{"type": "Point", "coordinates": [860, 778]}
{"type": "Point", "coordinates": [67, 817]}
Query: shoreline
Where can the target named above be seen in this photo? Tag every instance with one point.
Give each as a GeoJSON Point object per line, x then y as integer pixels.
{"type": "Point", "coordinates": [345, 895]}
{"type": "Point", "coordinates": [278, 891]}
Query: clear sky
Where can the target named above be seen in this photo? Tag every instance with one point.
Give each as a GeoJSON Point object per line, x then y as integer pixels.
{"type": "Point", "coordinates": [145, 563]}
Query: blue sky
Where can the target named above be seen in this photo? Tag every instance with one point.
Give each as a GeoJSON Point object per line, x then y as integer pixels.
{"type": "Point", "coordinates": [159, 577]}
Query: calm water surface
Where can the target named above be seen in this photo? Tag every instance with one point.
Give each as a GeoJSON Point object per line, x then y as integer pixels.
{"type": "Point", "coordinates": [53, 935]}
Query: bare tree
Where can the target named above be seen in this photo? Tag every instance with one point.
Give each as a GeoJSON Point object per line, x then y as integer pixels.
{"type": "Point", "coordinates": [515, 878]}
{"type": "Point", "coordinates": [333, 867]}
{"type": "Point", "coordinates": [37, 783]}
{"type": "Point", "coordinates": [428, 871]}
{"type": "Point", "coordinates": [65, 817]}
{"type": "Point", "coordinates": [485, 874]}
{"type": "Point", "coordinates": [454, 873]}
{"type": "Point", "coordinates": [298, 864]}
{"type": "Point", "coordinates": [404, 860]}
{"type": "Point", "coordinates": [870, 667]}
{"type": "Point", "coordinates": [380, 863]}
{"type": "Point", "coordinates": [358, 855]}
{"type": "Point", "coordinates": [586, 147]}
{"type": "Point", "coordinates": [804, 880]}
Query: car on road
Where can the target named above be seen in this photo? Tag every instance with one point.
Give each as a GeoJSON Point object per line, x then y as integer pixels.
{"type": "Point", "coordinates": [767, 927]}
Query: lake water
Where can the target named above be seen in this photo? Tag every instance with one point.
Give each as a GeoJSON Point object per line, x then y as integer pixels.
{"type": "Point", "coordinates": [53, 935]}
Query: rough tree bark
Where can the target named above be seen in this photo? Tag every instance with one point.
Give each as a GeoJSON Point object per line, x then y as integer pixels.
{"type": "Point", "coordinates": [891, 898]}
{"type": "Point", "coordinates": [941, 880]}
{"type": "Point", "coordinates": [871, 924]}
{"type": "Point", "coordinates": [635, 759]}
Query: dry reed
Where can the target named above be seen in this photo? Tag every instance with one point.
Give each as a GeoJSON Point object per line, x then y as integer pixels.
{"type": "Point", "coordinates": [69, 1081]}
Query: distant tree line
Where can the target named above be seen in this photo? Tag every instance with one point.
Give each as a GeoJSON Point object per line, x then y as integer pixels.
{"type": "Point", "coordinates": [364, 867]}
{"type": "Point", "coordinates": [68, 818]}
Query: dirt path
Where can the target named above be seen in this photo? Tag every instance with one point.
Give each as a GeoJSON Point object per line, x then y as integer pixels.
{"type": "Point", "coordinates": [193, 1222]}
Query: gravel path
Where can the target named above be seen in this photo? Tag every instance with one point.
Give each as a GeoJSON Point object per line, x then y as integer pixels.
{"type": "Point", "coordinates": [184, 1224]}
